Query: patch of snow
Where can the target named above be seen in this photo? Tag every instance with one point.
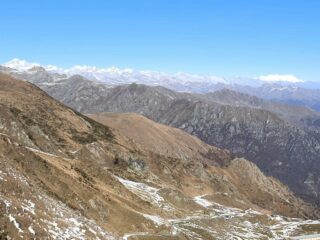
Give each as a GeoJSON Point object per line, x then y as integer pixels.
{"type": "Point", "coordinates": [155, 219]}
{"type": "Point", "coordinates": [31, 230]}
{"type": "Point", "coordinates": [45, 153]}
{"type": "Point", "coordinates": [146, 192]}
{"type": "Point", "coordinates": [29, 206]}
{"type": "Point", "coordinates": [15, 223]}
{"type": "Point", "coordinates": [50, 84]}
{"type": "Point", "coordinates": [7, 203]}
{"type": "Point", "coordinates": [202, 202]}
{"type": "Point", "coordinates": [74, 152]}
{"type": "Point", "coordinates": [129, 235]}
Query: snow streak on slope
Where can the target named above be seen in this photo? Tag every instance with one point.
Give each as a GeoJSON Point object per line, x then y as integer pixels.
{"type": "Point", "coordinates": [147, 193]}
{"type": "Point", "coordinates": [33, 213]}
{"type": "Point", "coordinates": [202, 202]}
{"type": "Point", "coordinates": [218, 221]}
{"type": "Point", "coordinates": [277, 227]}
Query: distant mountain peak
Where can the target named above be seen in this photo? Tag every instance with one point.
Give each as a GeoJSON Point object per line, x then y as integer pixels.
{"type": "Point", "coordinates": [180, 81]}
{"type": "Point", "coordinates": [115, 75]}
{"type": "Point", "coordinates": [37, 69]}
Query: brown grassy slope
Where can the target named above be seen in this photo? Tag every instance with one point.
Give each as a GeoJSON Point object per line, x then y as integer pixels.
{"type": "Point", "coordinates": [241, 179]}
{"type": "Point", "coordinates": [161, 139]}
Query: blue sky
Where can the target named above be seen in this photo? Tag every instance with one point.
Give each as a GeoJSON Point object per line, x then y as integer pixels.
{"type": "Point", "coordinates": [219, 37]}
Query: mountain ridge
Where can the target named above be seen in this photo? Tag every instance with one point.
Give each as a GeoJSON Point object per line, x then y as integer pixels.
{"type": "Point", "coordinates": [293, 93]}
{"type": "Point", "coordinates": [270, 138]}
{"type": "Point", "coordinates": [65, 175]}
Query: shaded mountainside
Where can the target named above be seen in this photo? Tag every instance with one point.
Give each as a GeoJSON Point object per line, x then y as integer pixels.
{"type": "Point", "coordinates": [297, 115]}
{"type": "Point", "coordinates": [79, 91]}
{"type": "Point", "coordinates": [282, 93]}
{"type": "Point", "coordinates": [64, 175]}
{"type": "Point", "coordinates": [280, 149]}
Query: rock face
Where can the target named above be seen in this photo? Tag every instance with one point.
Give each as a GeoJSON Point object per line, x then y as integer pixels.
{"type": "Point", "coordinates": [289, 151]}
{"type": "Point", "coordinates": [64, 175]}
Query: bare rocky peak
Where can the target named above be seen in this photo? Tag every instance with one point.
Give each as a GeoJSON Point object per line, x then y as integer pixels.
{"type": "Point", "coordinates": [35, 74]}
{"type": "Point", "coordinates": [36, 69]}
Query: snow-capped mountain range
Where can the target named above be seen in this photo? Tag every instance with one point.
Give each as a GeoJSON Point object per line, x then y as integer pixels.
{"type": "Point", "coordinates": [178, 81]}
{"type": "Point", "coordinates": [281, 88]}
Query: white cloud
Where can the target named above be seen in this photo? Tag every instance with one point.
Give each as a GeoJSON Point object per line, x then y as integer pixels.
{"type": "Point", "coordinates": [20, 65]}
{"type": "Point", "coordinates": [23, 65]}
{"type": "Point", "coordinates": [118, 75]}
{"type": "Point", "coordinates": [114, 75]}
{"type": "Point", "coordinates": [280, 78]}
